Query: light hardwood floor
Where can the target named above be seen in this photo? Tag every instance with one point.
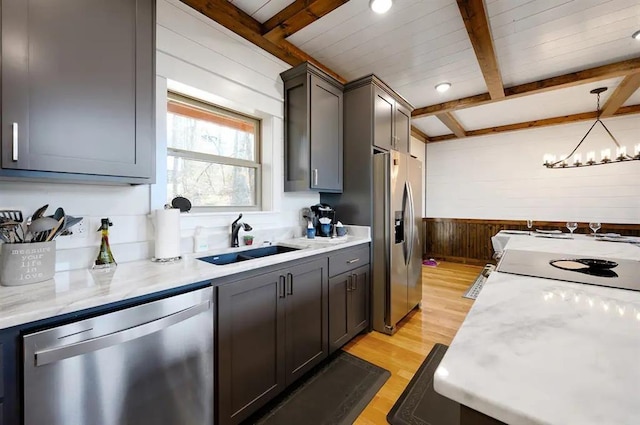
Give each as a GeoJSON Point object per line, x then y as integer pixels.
{"type": "Point", "coordinates": [443, 311]}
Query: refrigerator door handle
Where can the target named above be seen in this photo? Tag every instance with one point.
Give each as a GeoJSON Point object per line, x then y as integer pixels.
{"type": "Point", "coordinates": [406, 208]}
{"type": "Point", "coordinates": [411, 223]}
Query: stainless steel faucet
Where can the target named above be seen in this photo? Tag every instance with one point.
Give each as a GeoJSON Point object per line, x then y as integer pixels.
{"type": "Point", "coordinates": [235, 229]}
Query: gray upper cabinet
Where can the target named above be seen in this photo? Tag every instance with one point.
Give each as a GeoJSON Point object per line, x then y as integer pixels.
{"type": "Point", "coordinates": [402, 124]}
{"type": "Point", "coordinates": [383, 110]}
{"type": "Point", "coordinates": [313, 115]}
{"type": "Point", "coordinates": [370, 100]}
{"type": "Point", "coordinates": [78, 89]}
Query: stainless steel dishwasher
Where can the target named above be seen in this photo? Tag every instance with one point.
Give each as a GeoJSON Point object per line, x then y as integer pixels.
{"type": "Point", "coordinates": [148, 364]}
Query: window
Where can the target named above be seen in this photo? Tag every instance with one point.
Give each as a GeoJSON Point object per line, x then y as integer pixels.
{"type": "Point", "coordinates": [212, 155]}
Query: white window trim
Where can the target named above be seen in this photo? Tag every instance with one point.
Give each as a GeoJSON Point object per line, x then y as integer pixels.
{"type": "Point", "coordinates": [173, 96]}
{"type": "Point", "coordinates": [271, 147]}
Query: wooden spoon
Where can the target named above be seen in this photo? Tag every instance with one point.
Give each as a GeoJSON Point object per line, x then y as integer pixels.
{"type": "Point", "coordinates": [54, 231]}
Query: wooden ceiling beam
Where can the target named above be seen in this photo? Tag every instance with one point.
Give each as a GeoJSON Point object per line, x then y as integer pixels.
{"type": "Point", "coordinates": [296, 16]}
{"type": "Point", "coordinates": [419, 134]}
{"type": "Point", "coordinates": [612, 70]}
{"type": "Point", "coordinates": [234, 19]}
{"type": "Point", "coordinates": [566, 119]}
{"type": "Point", "coordinates": [625, 89]}
{"type": "Point", "coordinates": [475, 20]}
{"type": "Point", "coordinates": [450, 121]}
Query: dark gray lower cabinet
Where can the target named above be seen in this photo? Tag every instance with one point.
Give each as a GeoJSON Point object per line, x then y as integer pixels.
{"type": "Point", "coordinates": [307, 332]}
{"type": "Point", "coordinates": [10, 381]}
{"type": "Point", "coordinates": [272, 328]}
{"type": "Point", "coordinates": [348, 306]}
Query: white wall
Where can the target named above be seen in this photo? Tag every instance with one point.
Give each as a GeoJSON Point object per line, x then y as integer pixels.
{"type": "Point", "coordinates": [197, 55]}
{"type": "Point", "coordinates": [501, 176]}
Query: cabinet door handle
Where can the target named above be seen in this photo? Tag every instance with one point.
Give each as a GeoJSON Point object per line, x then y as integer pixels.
{"type": "Point", "coordinates": [14, 139]}
{"type": "Point", "coordinates": [354, 285]}
{"type": "Point", "coordinates": [348, 283]}
{"type": "Point", "coordinates": [281, 293]}
{"type": "Point", "coordinates": [289, 284]}
{"type": "Point", "coordinates": [355, 260]}
{"type": "Point", "coordinates": [315, 176]}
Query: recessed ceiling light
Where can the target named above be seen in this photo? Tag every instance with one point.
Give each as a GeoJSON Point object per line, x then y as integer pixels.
{"type": "Point", "coordinates": [443, 87]}
{"type": "Point", "coordinates": [380, 6]}
{"type": "Point", "coordinates": [636, 35]}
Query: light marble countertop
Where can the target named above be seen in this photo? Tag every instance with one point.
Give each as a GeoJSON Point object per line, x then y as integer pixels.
{"type": "Point", "coordinates": [77, 290]}
{"type": "Point", "coordinates": [541, 351]}
{"type": "Point", "coordinates": [579, 245]}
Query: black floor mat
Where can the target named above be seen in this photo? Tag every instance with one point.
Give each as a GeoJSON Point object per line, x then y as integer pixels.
{"type": "Point", "coordinates": [334, 394]}
{"type": "Point", "coordinates": [419, 404]}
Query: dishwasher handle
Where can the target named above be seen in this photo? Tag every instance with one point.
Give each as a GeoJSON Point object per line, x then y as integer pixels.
{"type": "Point", "coordinates": [94, 344]}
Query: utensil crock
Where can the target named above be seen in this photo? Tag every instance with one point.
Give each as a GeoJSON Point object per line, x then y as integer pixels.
{"type": "Point", "coordinates": [24, 263]}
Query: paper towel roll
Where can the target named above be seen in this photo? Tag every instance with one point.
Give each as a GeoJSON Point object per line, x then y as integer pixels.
{"type": "Point", "coordinates": [167, 232]}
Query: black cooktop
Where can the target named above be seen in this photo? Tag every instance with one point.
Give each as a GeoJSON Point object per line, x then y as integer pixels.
{"type": "Point", "coordinates": [609, 272]}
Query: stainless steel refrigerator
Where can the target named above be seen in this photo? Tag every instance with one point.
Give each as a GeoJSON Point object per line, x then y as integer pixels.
{"type": "Point", "coordinates": [397, 254]}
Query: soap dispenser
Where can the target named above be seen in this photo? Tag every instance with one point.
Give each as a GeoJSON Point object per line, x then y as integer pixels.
{"type": "Point", "coordinates": [105, 258]}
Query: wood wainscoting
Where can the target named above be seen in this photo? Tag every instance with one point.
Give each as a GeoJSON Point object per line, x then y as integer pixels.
{"type": "Point", "coordinates": [468, 240]}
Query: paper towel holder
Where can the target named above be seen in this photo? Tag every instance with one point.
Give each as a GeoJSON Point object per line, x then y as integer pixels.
{"type": "Point", "coordinates": [165, 259]}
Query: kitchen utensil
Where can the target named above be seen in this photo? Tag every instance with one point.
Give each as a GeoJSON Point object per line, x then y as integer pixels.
{"type": "Point", "coordinates": [71, 221]}
{"type": "Point", "coordinates": [58, 214]}
{"type": "Point", "coordinates": [39, 227]}
{"type": "Point", "coordinates": [54, 231]}
{"type": "Point", "coordinates": [39, 212]}
{"type": "Point", "coordinates": [9, 231]}
{"type": "Point", "coordinates": [15, 215]}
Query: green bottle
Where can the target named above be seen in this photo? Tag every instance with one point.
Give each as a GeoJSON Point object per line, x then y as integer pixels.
{"type": "Point", "coordinates": [105, 257]}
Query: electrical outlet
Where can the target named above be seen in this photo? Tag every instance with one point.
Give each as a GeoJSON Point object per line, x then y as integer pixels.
{"type": "Point", "coordinates": [80, 229]}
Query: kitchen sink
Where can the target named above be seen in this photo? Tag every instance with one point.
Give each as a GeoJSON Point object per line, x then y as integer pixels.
{"type": "Point", "coordinates": [250, 254]}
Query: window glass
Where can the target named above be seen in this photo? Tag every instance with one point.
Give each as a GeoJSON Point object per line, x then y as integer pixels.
{"type": "Point", "coordinates": [196, 130]}
{"type": "Point", "coordinates": [212, 155]}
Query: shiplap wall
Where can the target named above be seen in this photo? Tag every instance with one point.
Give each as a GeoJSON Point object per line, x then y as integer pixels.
{"type": "Point", "coordinates": [501, 176]}
{"type": "Point", "coordinates": [195, 54]}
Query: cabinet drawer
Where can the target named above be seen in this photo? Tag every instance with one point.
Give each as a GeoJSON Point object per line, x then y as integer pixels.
{"type": "Point", "coordinates": [348, 260]}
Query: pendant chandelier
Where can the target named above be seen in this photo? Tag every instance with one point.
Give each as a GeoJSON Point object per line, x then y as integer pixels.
{"type": "Point", "coordinates": [605, 154]}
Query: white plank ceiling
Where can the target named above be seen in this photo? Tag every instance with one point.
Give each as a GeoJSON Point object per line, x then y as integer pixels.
{"type": "Point", "coordinates": [416, 45]}
{"type": "Point", "coordinates": [542, 38]}
{"type": "Point", "coordinates": [261, 10]}
{"type": "Point", "coordinates": [431, 125]}
{"type": "Point", "coordinates": [420, 43]}
{"type": "Point", "coordinates": [572, 100]}
{"type": "Point", "coordinates": [633, 100]}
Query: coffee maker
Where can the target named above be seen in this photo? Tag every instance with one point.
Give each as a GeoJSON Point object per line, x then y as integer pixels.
{"type": "Point", "coordinates": [323, 217]}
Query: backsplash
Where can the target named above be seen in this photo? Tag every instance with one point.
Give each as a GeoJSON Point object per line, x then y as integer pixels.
{"type": "Point", "coordinates": [132, 234]}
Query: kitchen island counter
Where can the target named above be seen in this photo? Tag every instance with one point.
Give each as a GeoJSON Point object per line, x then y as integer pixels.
{"type": "Point", "coordinates": [542, 351]}
{"type": "Point", "coordinates": [77, 290]}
